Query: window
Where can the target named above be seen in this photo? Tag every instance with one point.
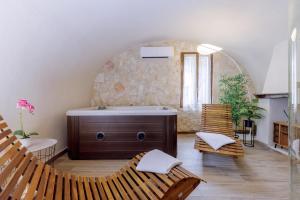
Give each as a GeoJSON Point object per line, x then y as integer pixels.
{"type": "Point", "coordinates": [196, 80]}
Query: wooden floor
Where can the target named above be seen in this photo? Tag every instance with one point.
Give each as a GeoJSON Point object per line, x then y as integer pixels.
{"type": "Point", "coordinates": [261, 174]}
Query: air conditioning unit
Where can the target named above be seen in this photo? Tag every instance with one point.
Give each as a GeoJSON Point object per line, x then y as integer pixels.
{"type": "Point", "coordinates": [157, 52]}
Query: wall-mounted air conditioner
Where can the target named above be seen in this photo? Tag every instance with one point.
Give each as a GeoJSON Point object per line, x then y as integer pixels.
{"type": "Point", "coordinates": [157, 52]}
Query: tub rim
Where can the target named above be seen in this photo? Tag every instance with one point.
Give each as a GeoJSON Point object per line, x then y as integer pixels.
{"type": "Point", "coordinates": [92, 111]}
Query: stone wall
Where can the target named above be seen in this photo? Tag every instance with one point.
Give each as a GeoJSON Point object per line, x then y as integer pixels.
{"type": "Point", "coordinates": [126, 79]}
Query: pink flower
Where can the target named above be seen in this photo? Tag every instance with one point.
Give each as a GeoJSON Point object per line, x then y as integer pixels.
{"type": "Point", "coordinates": [22, 103]}
{"type": "Point", "coordinates": [30, 108]}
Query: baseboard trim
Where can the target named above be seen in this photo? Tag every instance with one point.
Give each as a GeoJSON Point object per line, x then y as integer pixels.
{"type": "Point", "coordinates": [59, 154]}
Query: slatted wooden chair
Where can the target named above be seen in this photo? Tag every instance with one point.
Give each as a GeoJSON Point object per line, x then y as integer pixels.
{"type": "Point", "coordinates": [22, 176]}
{"type": "Point", "coordinates": [217, 118]}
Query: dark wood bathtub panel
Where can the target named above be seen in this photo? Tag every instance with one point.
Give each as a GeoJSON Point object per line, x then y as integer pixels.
{"type": "Point", "coordinates": [120, 136]}
{"type": "Point", "coordinates": [122, 126]}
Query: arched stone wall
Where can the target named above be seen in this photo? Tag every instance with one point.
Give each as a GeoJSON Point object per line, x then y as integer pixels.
{"type": "Point", "coordinates": [126, 79]}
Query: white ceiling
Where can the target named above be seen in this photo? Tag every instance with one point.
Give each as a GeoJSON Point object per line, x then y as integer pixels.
{"type": "Point", "coordinates": [96, 30]}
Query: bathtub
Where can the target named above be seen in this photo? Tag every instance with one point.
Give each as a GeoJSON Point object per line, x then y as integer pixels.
{"type": "Point", "coordinates": [121, 132]}
{"type": "Point", "coordinates": [123, 110]}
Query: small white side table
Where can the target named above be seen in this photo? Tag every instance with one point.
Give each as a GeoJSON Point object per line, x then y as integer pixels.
{"type": "Point", "coordinates": [42, 148]}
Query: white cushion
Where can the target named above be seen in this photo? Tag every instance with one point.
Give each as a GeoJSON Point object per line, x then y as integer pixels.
{"type": "Point", "coordinates": [157, 161]}
{"type": "Point", "coordinates": [215, 140]}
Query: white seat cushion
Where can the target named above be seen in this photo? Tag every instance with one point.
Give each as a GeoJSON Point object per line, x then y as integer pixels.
{"type": "Point", "coordinates": [215, 140]}
{"type": "Point", "coordinates": [157, 161]}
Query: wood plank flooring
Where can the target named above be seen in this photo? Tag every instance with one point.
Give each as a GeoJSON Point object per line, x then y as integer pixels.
{"type": "Point", "coordinates": [260, 175]}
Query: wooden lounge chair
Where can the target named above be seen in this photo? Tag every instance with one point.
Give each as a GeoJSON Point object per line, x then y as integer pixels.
{"type": "Point", "coordinates": [22, 176]}
{"type": "Point", "coordinates": [217, 118]}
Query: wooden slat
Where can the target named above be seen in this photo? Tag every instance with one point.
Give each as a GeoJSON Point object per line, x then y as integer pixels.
{"type": "Point", "coordinates": [188, 173]}
{"type": "Point", "coordinates": [59, 186]}
{"type": "Point", "coordinates": [148, 181]}
{"type": "Point", "coordinates": [141, 184]}
{"type": "Point", "coordinates": [80, 189]}
{"type": "Point", "coordinates": [51, 185]}
{"type": "Point", "coordinates": [10, 153]}
{"type": "Point", "coordinates": [87, 188]}
{"type": "Point", "coordinates": [154, 178]}
{"type": "Point", "coordinates": [173, 177]}
{"type": "Point", "coordinates": [135, 187]}
{"type": "Point", "coordinates": [128, 189]}
{"type": "Point", "coordinates": [120, 187]}
{"type": "Point", "coordinates": [22, 185]}
{"type": "Point", "coordinates": [3, 125]}
{"type": "Point", "coordinates": [34, 181]}
{"type": "Point", "coordinates": [67, 190]}
{"type": "Point", "coordinates": [103, 182]}
{"type": "Point", "coordinates": [16, 176]}
{"type": "Point", "coordinates": [74, 190]}
{"type": "Point", "coordinates": [12, 165]}
{"type": "Point", "coordinates": [94, 189]}
{"type": "Point", "coordinates": [177, 173]}
{"type": "Point", "coordinates": [7, 142]}
{"type": "Point", "coordinates": [101, 189]}
{"type": "Point", "coordinates": [5, 134]}
{"type": "Point", "coordinates": [113, 188]}
{"type": "Point", "coordinates": [43, 183]}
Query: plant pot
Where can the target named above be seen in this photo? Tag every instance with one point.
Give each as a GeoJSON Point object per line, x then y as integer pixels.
{"type": "Point", "coordinates": [248, 123]}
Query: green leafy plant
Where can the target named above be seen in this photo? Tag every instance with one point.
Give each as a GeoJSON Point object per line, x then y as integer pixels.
{"type": "Point", "coordinates": [252, 111]}
{"type": "Point", "coordinates": [233, 91]}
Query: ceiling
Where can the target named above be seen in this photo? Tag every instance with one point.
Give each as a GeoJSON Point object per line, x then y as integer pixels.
{"type": "Point", "coordinates": [96, 30]}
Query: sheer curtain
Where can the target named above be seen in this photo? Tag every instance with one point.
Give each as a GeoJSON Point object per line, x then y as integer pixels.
{"type": "Point", "coordinates": [190, 82]}
{"type": "Point", "coordinates": [195, 95]}
{"type": "Point", "coordinates": [204, 84]}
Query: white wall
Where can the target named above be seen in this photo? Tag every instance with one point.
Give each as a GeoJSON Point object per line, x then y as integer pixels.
{"type": "Point", "coordinates": [277, 76]}
{"type": "Point", "coordinates": [52, 86]}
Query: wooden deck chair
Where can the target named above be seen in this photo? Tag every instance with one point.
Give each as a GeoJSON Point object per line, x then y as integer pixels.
{"type": "Point", "coordinates": [22, 176]}
{"type": "Point", "coordinates": [217, 118]}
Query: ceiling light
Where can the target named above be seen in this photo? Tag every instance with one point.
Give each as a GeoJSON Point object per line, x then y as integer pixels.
{"type": "Point", "coordinates": [206, 49]}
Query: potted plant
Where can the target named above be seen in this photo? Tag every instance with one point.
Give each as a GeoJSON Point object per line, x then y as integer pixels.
{"type": "Point", "coordinates": [233, 92]}
{"type": "Point", "coordinates": [252, 111]}
{"type": "Point", "coordinates": [22, 105]}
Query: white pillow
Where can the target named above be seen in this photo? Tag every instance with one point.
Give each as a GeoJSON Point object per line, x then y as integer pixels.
{"type": "Point", "coordinates": [157, 161]}
{"type": "Point", "coordinates": [215, 140]}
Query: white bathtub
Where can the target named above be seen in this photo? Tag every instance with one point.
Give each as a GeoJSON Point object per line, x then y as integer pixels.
{"type": "Point", "coordinates": [123, 110]}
